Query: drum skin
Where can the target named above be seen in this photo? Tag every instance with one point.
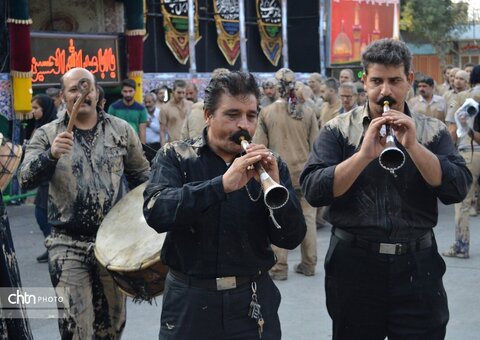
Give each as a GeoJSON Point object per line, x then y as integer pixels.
{"type": "Point", "coordinates": [130, 250]}
{"type": "Point", "coordinates": [10, 157]}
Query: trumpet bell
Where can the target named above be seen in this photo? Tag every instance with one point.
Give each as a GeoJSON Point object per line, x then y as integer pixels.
{"type": "Point", "coordinates": [391, 158]}
{"type": "Point", "coordinates": [276, 195]}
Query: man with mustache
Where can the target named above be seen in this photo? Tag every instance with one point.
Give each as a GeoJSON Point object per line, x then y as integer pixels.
{"type": "Point", "coordinates": [427, 102]}
{"type": "Point", "coordinates": [85, 170]}
{"type": "Point", "coordinates": [383, 272]}
{"type": "Point", "coordinates": [206, 195]}
{"type": "Point", "coordinates": [129, 110]}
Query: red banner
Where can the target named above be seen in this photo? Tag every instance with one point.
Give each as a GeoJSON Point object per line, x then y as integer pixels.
{"type": "Point", "coordinates": [356, 23]}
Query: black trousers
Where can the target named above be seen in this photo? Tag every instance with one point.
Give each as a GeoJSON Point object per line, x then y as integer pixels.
{"type": "Point", "coordinates": [197, 313]}
{"type": "Point", "coordinates": [371, 296]}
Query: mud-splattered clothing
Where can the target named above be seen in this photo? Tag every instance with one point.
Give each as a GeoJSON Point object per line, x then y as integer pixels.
{"type": "Point", "coordinates": [292, 139]}
{"type": "Point", "coordinates": [212, 234]}
{"type": "Point", "coordinates": [379, 205]}
{"type": "Point", "coordinates": [15, 326]}
{"type": "Point", "coordinates": [97, 307]}
{"type": "Point", "coordinates": [84, 185]}
{"type": "Point", "coordinates": [372, 289]}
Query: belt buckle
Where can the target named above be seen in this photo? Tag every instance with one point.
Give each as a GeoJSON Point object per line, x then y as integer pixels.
{"type": "Point", "coordinates": [390, 248]}
{"type": "Point", "coordinates": [228, 282]}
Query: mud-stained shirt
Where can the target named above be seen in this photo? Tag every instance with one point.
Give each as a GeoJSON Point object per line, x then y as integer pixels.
{"type": "Point", "coordinates": [380, 205]}
{"type": "Point", "coordinates": [291, 138]}
{"type": "Point", "coordinates": [211, 233]}
{"type": "Point", "coordinates": [86, 183]}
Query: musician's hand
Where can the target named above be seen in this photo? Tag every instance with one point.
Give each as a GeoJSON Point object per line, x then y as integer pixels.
{"type": "Point", "coordinates": [404, 127]}
{"type": "Point", "coordinates": [268, 161]}
{"type": "Point", "coordinates": [242, 169]}
{"type": "Point", "coordinates": [62, 144]}
{"type": "Point", "coordinates": [373, 143]}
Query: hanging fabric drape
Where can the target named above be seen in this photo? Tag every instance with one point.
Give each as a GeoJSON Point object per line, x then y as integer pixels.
{"type": "Point", "coordinates": [19, 24]}
{"type": "Point", "coordinates": [135, 22]}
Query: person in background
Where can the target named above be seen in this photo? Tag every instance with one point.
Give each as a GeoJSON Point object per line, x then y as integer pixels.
{"type": "Point", "coordinates": [129, 110]}
{"type": "Point", "coordinates": [174, 114]}
{"type": "Point", "coordinates": [153, 124]}
{"type": "Point", "coordinates": [348, 96]}
{"type": "Point", "coordinates": [191, 92]}
{"type": "Point", "coordinates": [270, 93]}
{"type": "Point", "coordinates": [43, 111]}
{"type": "Point", "coordinates": [427, 102]}
{"type": "Point", "coordinates": [361, 94]}
{"type": "Point", "coordinates": [346, 76]}
{"type": "Point", "coordinates": [101, 98]}
{"type": "Point", "coordinates": [469, 148]}
{"type": "Point", "coordinates": [54, 94]}
{"type": "Point", "coordinates": [289, 127]}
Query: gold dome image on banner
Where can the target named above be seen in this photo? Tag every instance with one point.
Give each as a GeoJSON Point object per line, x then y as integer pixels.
{"type": "Point", "coordinates": [342, 48]}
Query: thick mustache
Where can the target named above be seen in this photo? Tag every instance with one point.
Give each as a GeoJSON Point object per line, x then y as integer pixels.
{"type": "Point", "coordinates": [388, 99]}
{"type": "Point", "coordinates": [236, 137]}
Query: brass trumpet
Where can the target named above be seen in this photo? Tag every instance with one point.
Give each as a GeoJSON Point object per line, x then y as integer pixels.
{"type": "Point", "coordinates": [275, 195]}
{"type": "Point", "coordinates": [391, 158]}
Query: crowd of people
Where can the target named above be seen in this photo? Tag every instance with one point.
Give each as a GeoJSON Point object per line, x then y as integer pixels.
{"type": "Point", "coordinates": [319, 140]}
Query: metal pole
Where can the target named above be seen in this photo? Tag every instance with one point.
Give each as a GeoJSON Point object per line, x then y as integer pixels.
{"type": "Point", "coordinates": [243, 40]}
{"type": "Point", "coordinates": [191, 37]}
{"type": "Point", "coordinates": [321, 36]}
{"type": "Point", "coordinates": [284, 34]}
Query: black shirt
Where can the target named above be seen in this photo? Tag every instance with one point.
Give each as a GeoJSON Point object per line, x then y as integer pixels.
{"type": "Point", "coordinates": [211, 233]}
{"type": "Point", "coordinates": [379, 205]}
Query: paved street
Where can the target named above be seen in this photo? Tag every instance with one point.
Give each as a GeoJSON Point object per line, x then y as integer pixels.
{"type": "Point", "coordinates": [302, 312]}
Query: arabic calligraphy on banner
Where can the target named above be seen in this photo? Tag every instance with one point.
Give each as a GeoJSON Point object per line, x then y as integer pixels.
{"type": "Point", "coordinates": [269, 14]}
{"type": "Point", "coordinates": [53, 55]}
{"type": "Point", "coordinates": [175, 24]}
{"type": "Point", "coordinates": [228, 28]}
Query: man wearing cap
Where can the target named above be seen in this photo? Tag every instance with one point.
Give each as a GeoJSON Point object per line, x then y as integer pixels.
{"type": "Point", "coordinates": [270, 94]}
{"type": "Point", "coordinates": [428, 103]}
{"type": "Point", "coordinates": [289, 127]}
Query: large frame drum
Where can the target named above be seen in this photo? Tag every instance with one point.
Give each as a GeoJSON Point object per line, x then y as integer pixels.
{"type": "Point", "coordinates": [10, 157]}
{"type": "Point", "coordinates": [130, 249]}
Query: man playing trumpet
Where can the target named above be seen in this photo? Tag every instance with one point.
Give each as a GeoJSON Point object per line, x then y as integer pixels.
{"type": "Point", "coordinates": [205, 193]}
{"type": "Point", "coordinates": [383, 272]}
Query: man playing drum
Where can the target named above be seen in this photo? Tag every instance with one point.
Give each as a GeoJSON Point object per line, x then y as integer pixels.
{"type": "Point", "coordinates": [85, 169]}
{"type": "Point", "coordinates": [205, 194]}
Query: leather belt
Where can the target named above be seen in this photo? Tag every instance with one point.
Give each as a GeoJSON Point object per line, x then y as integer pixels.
{"type": "Point", "coordinates": [219, 283]}
{"type": "Point", "coordinates": [397, 248]}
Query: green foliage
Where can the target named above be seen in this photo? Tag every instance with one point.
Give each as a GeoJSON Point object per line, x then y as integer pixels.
{"type": "Point", "coordinates": [434, 21]}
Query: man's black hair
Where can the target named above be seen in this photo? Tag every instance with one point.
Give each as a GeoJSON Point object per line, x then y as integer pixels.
{"type": "Point", "coordinates": [388, 52]}
{"type": "Point", "coordinates": [129, 83]}
{"type": "Point", "coordinates": [233, 83]}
